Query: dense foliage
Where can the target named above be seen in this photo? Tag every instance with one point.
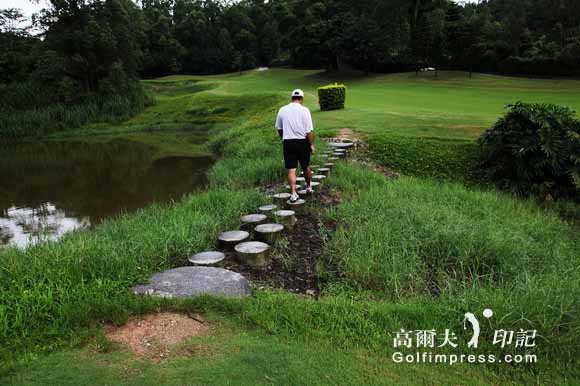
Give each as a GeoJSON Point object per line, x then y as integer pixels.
{"type": "Point", "coordinates": [332, 97]}
{"type": "Point", "coordinates": [159, 37]}
{"type": "Point", "coordinates": [84, 68]}
{"type": "Point", "coordinates": [534, 149]}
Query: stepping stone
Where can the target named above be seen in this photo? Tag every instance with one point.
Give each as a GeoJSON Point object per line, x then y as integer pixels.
{"type": "Point", "coordinates": [268, 233]}
{"type": "Point", "coordinates": [314, 184]}
{"type": "Point", "coordinates": [207, 258]}
{"type": "Point", "coordinates": [268, 209]}
{"type": "Point", "coordinates": [318, 178]}
{"type": "Point", "coordinates": [304, 194]}
{"type": "Point", "coordinates": [298, 186]}
{"type": "Point", "coordinates": [339, 155]}
{"type": "Point", "coordinates": [323, 171]}
{"type": "Point", "coordinates": [333, 159]}
{"type": "Point", "coordinates": [296, 206]}
{"type": "Point", "coordinates": [286, 218]}
{"type": "Point", "coordinates": [251, 220]}
{"type": "Point", "coordinates": [231, 238]}
{"type": "Point", "coordinates": [254, 253]}
{"type": "Point", "coordinates": [194, 281]}
{"type": "Point", "coordinates": [281, 198]}
{"type": "Point", "coordinates": [329, 165]}
{"type": "Point", "coordinates": [342, 145]}
{"type": "Point", "coordinates": [312, 167]}
{"type": "Point", "coordinates": [300, 180]}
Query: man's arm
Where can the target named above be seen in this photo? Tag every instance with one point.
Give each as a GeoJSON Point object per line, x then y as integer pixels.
{"type": "Point", "coordinates": [310, 135]}
{"type": "Point", "coordinates": [280, 125]}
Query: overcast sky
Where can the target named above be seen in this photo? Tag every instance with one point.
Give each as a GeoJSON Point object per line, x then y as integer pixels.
{"type": "Point", "coordinates": [28, 7]}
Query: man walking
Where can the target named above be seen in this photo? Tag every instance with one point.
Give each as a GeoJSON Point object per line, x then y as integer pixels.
{"type": "Point", "coordinates": [294, 124]}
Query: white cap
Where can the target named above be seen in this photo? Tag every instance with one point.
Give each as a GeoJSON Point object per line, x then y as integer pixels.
{"type": "Point", "coordinates": [298, 93]}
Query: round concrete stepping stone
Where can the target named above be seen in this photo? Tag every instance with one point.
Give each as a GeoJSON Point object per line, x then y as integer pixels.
{"type": "Point", "coordinates": [194, 281]}
{"type": "Point", "coordinates": [312, 167]}
{"type": "Point", "coordinates": [298, 186]}
{"type": "Point", "coordinates": [342, 145]}
{"type": "Point", "coordinates": [300, 180]}
{"type": "Point", "coordinates": [314, 184]}
{"type": "Point", "coordinates": [324, 171]}
{"type": "Point", "coordinates": [281, 198]}
{"type": "Point", "coordinates": [297, 206]}
{"type": "Point", "coordinates": [268, 210]}
{"type": "Point", "coordinates": [286, 218]}
{"type": "Point", "coordinates": [305, 195]}
{"type": "Point", "coordinates": [329, 165]}
{"type": "Point", "coordinates": [333, 159]}
{"type": "Point", "coordinates": [318, 178]}
{"type": "Point", "coordinates": [339, 155]}
{"type": "Point", "coordinates": [269, 233]}
{"type": "Point", "coordinates": [231, 238]}
{"type": "Point", "coordinates": [207, 258]}
{"type": "Point", "coordinates": [251, 220]}
{"type": "Point", "coordinates": [254, 253]}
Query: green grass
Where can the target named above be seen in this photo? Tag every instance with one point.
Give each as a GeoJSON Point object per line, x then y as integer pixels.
{"type": "Point", "coordinates": [411, 238]}
{"type": "Point", "coordinates": [249, 358]}
{"type": "Point", "coordinates": [395, 241]}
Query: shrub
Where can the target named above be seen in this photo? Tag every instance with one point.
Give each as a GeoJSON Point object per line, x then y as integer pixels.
{"type": "Point", "coordinates": [426, 157]}
{"type": "Point", "coordinates": [332, 97]}
{"type": "Point", "coordinates": [534, 149]}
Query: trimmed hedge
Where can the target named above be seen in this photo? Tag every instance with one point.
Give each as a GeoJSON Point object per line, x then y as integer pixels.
{"type": "Point", "coordinates": [332, 97]}
{"type": "Point", "coordinates": [448, 159]}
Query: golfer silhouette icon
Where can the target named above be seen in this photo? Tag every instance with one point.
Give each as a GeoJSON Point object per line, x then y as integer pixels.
{"type": "Point", "coordinates": [469, 317]}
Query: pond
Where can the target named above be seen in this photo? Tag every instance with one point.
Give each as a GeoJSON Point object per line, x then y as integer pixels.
{"type": "Point", "coordinates": [50, 188]}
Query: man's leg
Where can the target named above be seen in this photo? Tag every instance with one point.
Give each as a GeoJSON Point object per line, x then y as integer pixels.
{"type": "Point", "coordinates": [304, 159]}
{"type": "Point", "coordinates": [292, 180]}
{"type": "Point", "coordinates": [308, 176]}
{"type": "Point", "coordinates": [291, 163]}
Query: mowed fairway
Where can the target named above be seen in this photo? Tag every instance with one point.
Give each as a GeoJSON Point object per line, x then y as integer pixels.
{"type": "Point", "coordinates": [451, 105]}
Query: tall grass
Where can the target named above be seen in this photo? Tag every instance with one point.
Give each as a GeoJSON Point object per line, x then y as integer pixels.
{"type": "Point", "coordinates": [452, 247]}
{"type": "Point", "coordinates": [29, 120]}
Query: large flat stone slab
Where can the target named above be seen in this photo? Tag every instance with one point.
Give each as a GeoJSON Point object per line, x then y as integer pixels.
{"type": "Point", "coordinates": [194, 281]}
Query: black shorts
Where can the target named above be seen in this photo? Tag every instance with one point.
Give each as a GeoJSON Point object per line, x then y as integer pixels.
{"type": "Point", "coordinates": [296, 151]}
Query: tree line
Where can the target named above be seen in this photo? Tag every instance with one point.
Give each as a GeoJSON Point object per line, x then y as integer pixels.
{"type": "Point", "coordinates": [89, 46]}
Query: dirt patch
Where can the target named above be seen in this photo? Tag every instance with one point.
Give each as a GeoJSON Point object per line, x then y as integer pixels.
{"type": "Point", "coordinates": [155, 336]}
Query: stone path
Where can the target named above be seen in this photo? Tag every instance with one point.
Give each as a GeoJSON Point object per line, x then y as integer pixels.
{"type": "Point", "coordinates": [244, 253]}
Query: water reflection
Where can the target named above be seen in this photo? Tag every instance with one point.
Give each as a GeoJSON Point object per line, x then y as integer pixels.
{"type": "Point", "coordinates": [49, 189]}
{"type": "Point", "coordinates": [23, 226]}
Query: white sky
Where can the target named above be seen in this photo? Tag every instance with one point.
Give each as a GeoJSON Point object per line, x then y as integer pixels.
{"type": "Point", "coordinates": [28, 7]}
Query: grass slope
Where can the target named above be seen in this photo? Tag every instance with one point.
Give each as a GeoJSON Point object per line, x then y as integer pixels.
{"type": "Point", "coordinates": [395, 241]}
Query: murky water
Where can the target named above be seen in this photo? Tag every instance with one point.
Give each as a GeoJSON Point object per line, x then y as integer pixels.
{"type": "Point", "coordinates": [52, 188]}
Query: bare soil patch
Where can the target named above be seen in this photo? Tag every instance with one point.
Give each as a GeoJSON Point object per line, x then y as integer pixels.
{"type": "Point", "coordinates": [155, 336]}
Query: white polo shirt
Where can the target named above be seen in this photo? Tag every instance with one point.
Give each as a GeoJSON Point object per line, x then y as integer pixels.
{"type": "Point", "coordinates": [295, 121]}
